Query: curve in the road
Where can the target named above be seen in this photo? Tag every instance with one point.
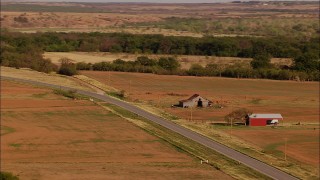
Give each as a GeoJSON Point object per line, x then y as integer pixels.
{"type": "Point", "coordinates": [231, 153]}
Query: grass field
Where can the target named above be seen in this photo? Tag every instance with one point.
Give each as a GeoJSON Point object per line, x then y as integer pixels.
{"type": "Point", "coordinates": [185, 61]}
{"type": "Point", "coordinates": [46, 136]}
{"type": "Point", "coordinates": [297, 102]}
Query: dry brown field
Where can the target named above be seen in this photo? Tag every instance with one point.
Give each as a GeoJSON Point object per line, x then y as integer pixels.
{"type": "Point", "coordinates": [302, 142]}
{"type": "Point", "coordinates": [71, 20]}
{"type": "Point", "coordinates": [298, 102]}
{"type": "Point", "coordinates": [185, 60]}
{"type": "Point", "coordinates": [85, 22]}
{"type": "Point", "coordinates": [46, 136]}
{"type": "Point", "coordinates": [106, 17]}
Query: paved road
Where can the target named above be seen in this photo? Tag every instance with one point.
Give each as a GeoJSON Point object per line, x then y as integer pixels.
{"type": "Point", "coordinates": [233, 154]}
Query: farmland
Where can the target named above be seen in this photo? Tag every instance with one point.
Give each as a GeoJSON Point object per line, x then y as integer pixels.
{"type": "Point", "coordinates": [189, 49]}
{"type": "Point", "coordinates": [47, 136]}
{"type": "Point", "coordinates": [297, 102]}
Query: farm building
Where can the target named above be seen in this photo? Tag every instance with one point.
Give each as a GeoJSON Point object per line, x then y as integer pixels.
{"type": "Point", "coordinates": [195, 101]}
{"type": "Point", "coordinates": [264, 119]}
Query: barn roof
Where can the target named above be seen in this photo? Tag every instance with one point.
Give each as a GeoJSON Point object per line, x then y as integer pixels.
{"type": "Point", "coordinates": [274, 116]}
{"type": "Point", "coordinates": [192, 97]}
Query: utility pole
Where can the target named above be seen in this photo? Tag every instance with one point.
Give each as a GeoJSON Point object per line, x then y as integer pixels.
{"type": "Point", "coordinates": [158, 101]}
{"type": "Point", "coordinates": [191, 114]}
{"type": "Point", "coordinates": [129, 87]}
{"type": "Point", "coordinates": [285, 149]}
{"type": "Point", "coordinates": [231, 127]}
{"type": "Point", "coordinates": [109, 78]}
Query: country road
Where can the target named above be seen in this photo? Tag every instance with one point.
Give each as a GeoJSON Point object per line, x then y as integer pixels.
{"type": "Point", "coordinates": [233, 154]}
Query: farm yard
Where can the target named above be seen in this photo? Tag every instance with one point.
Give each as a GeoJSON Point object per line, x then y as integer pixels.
{"type": "Point", "coordinates": [48, 136]}
{"type": "Point", "coordinates": [296, 101]}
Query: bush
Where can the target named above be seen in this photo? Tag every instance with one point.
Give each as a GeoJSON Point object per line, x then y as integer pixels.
{"type": "Point", "coordinates": [69, 94]}
{"type": "Point", "coordinates": [145, 61]}
{"type": "Point", "coordinates": [67, 67]}
{"type": "Point", "coordinates": [21, 19]}
{"type": "Point", "coordinates": [120, 95]}
{"type": "Point", "coordinates": [83, 66]}
{"type": "Point", "coordinates": [7, 176]}
{"type": "Point", "coordinates": [197, 70]}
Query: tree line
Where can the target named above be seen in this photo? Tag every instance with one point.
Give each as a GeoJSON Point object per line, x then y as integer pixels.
{"type": "Point", "coordinates": [25, 50]}
{"type": "Point", "coordinates": [280, 47]}
{"type": "Point", "coordinates": [171, 66]}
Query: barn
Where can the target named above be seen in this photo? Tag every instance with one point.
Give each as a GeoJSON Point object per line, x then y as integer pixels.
{"type": "Point", "coordinates": [264, 119]}
{"type": "Point", "coordinates": [195, 101]}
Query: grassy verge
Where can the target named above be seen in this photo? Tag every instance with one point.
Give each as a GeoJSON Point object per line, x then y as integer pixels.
{"type": "Point", "coordinates": [69, 94]}
{"type": "Point", "coordinates": [96, 83]}
{"type": "Point", "coordinates": [216, 160]}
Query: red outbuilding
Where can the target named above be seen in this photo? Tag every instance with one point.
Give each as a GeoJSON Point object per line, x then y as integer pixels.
{"type": "Point", "coordinates": [264, 119]}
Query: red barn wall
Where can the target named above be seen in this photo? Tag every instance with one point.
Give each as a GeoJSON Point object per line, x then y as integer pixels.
{"type": "Point", "coordinates": [258, 121]}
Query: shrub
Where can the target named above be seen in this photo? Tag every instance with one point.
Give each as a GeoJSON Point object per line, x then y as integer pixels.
{"type": "Point", "coordinates": [145, 61]}
{"type": "Point", "coordinates": [69, 94]}
{"type": "Point", "coordinates": [21, 19]}
{"type": "Point", "coordinates": [67, 67]}
{"type": "Point", "coordinates": [7, 176]}
{"type": "Point", "coordinates": [83, 66]}
{"type": "Point", "coordinates": [197, 70]}
{"type": "Point", "coordinates": [120, 95]}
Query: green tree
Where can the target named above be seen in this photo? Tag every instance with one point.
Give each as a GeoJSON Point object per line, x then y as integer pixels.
{"type": "Point", "coordinates": [307, 62]}
{"type": "Point", "coordinates": [169, 63]}
{"type": "Point", "coordinates": [238, 115]}
{"type": "Point", "coordinates": [261, 61]}
{"type": "Point", "coordinates": [116, 48]}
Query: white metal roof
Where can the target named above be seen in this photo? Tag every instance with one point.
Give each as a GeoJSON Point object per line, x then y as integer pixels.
{"type": "Point", "coordinates": [273, 116]}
